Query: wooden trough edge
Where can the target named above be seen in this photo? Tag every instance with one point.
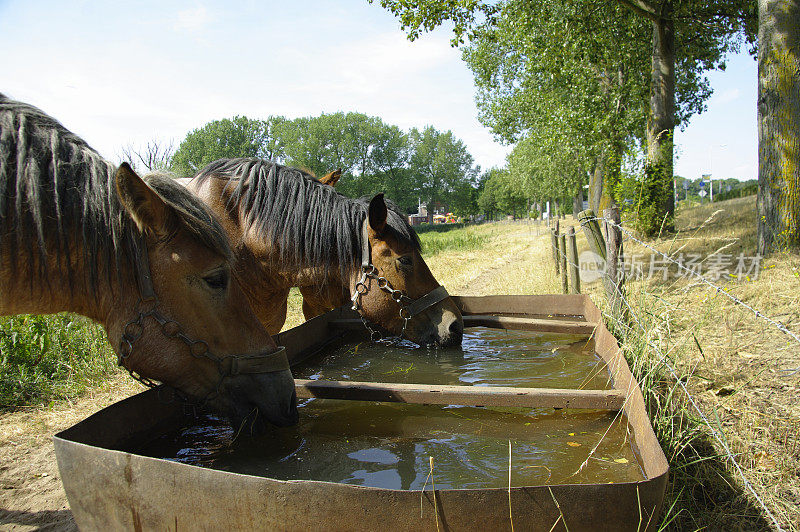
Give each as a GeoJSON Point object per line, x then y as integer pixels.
{"type": "Point", "coordinates": [461, 395]}
{"type": "Point", "coordinates": [504, 322]}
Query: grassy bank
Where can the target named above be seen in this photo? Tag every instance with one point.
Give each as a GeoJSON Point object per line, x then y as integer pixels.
{"type": "Point", "coordinates": [731, 362]}
{"type": "Point", "coordinates": [456, 239]}
{"type": "Point", "coordinates": [47, 358]}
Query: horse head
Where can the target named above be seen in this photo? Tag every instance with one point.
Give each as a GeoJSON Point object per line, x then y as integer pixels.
{"type": "Point", "coordinates": [190, 325]}
{"type": "Point", "coordinates": [400, 282]}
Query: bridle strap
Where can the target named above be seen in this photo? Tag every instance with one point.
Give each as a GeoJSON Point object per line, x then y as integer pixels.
{"type": "Point", "coordinates": [366, 251]}
{"type": "Point", "coordinates": [368, 270]}
{"type": "Point", "coordinates": [228, 365]}
{"type": "Point", "coordinates": [143, 278]}
{"type": "Point", "coordinates": [254, 364]}
{"type": "Point", "coordinates": [433, 297]}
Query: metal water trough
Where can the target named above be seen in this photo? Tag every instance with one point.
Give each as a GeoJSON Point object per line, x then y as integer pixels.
{"type": "Point", "coordinates": [110, 489]}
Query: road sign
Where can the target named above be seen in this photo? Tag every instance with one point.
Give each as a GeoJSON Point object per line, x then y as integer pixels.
{"type": "Point", "coordinates": [702, 183]}
{"type": "Point", "coordinates": [703, 193]}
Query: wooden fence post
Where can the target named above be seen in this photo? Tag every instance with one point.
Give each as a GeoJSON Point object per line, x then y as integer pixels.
{"type": "Point", "coordinates": [554, 245]}
{"type": "Point", "coordinates": [615, 262]}
{"type": "Point", "coordinates": [562, 253]}
{"type": "Point", "coordinates": [591, 229]}
{"type": "Point", "coordinates": [610, 254]}
{"type": "Point", "coordinates": [574, 267]}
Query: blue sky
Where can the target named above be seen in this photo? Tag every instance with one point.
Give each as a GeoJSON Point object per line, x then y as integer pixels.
{"type": "Point", "coordinates": [120, 73]}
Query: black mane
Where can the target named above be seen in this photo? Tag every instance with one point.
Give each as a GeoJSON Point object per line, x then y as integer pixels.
{"type": "Point", "coordinates": [57, 195]}
{"type": "Point", "coordinates": [313, 225]}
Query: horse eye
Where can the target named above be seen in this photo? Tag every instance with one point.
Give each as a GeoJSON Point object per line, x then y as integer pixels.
{"type": "Point", "coordinates": [217, 280]}
{"type": "Point", "coordinates": [406, 260]}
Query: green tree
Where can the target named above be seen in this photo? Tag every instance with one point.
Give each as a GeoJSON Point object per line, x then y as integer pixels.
{"type": "Point", "coordinates": [320, 144]}
{"type": "Point", "coordinates": [340, 140]}
{"type": "Point", "coordinates": [487, 198]}
{"type": "Point", "coordinates": [778, 125]}
{"type": "Point", "coordinates": [440, 165]}
{"type": "Point", "coordinates": [374, 156]}
{"type": "Point", "coordinates": [686, 38]}
{"type": "Point", "coordinates": [230, 137]}
{"type": "Point", "coordinates": [501, 192]}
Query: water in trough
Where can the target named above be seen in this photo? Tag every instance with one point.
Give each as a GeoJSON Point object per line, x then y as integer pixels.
{"type": "Point", "coordinates": [388, 445]}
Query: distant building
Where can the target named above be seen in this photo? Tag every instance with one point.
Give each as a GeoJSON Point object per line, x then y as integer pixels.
{"type": "Point", "coordinates": [420, 217]}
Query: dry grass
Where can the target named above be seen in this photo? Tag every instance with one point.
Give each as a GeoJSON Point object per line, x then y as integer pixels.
{"type": "Point", "coordinates": [729, 359]}
{"type": "Point", "coordinates": [732, 361]}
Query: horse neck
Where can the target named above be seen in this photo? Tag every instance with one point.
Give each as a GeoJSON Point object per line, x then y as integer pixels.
{"type": "Point", "coordinates": [26, 292]}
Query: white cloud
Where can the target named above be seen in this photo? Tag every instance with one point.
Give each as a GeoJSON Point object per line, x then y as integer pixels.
{"type": "Point", "coordinates": [192, 20]}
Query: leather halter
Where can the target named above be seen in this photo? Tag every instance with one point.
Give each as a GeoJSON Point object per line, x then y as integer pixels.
{"type": "Point", "coordinates": [227, 365]}
{"type": "Point", "coordinates": [408, 307]}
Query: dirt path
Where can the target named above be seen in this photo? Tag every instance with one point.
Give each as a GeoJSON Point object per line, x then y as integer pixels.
{"type": "Point", "coordinates": [31, 495]}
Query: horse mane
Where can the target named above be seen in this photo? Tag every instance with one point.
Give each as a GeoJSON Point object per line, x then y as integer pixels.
{"type": "Point", "coordinates": [57, 195]}
{"type": "Point", "coordinates": [312, 224]}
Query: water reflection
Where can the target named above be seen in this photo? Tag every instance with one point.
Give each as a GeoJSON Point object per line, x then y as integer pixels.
{"type": "Point", "coordinates": [491, 357]}
{"type": "Point", "coordinates": [388, 444]}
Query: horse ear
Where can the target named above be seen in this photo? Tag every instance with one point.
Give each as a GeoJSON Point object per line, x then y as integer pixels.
{"type": "Point", "coordinates": [377, 213]}
{"type": "Point", "coordinates": [148, 210]}
{"type": "Point", "coordinates": [332, 178]}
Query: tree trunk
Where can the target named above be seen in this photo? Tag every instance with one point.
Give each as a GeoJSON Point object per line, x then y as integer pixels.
{"type": "Point", "coordinates": [657, 204]}
{"type": "Point", "coordinates": [778, 125]}
{"type": "Point", "coordinates": [577, 201]}
{"type": "Point", "coordinates": [596, 184]}
{"type": "Point", "coordinates": [599, 197]}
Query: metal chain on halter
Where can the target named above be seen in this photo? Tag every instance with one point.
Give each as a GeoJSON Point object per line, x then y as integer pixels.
{"type": "Point", "coordinates": [227, 366]}
{"type": "Point", "coordinates": [408, 307]}
{"type": "Point", "coordinates": [368, 271]}
{"type": "Point", "coordinates": [134, 329]}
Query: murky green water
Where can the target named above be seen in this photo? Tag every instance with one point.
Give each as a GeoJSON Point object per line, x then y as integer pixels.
{"type": "Point", "coordinates": [390, 445]}
{"type": "Point", "coordinates": [491, 357]}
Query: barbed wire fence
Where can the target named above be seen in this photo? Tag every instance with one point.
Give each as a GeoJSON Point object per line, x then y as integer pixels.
{"type": "Point", "coordinates": [623, 319]}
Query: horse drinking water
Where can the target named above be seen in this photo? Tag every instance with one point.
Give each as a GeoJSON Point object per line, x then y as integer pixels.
{"type": "Point", "coordinates": [289, 229]}
{"type": "Point", "coordinates": [144, 258]}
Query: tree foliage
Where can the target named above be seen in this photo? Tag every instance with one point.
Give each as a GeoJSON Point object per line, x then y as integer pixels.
{"type": "Point", "coordinates": [425, 165]}
{"type": "Point", "coordinates": [587, 82]}
{"type": "Point", "coordinates": [235, 137]}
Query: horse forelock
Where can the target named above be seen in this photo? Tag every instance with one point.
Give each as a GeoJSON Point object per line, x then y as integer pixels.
{"type": "Point", "coordinates": [312, 224]}
{"type": "Point", "coordinates": [58, 195]}
{"type": "Point", "coordinates": [194, 215]}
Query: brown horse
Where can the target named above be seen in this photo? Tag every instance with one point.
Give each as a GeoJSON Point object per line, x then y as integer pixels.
{"type": "Point", "coordinates": [145, 258]}
{"type": "Point", "coordinates": [290, 229]}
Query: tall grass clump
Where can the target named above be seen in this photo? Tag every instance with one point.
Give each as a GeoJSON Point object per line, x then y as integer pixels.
{"type": "Point", "coordinates": [45, 358]}
{"type": "Point", "coordinates": [459, 239]}
{"type": "Point", "coordinates": [438, 228]}
{"type": "Point", "coordinates": [702, 492]}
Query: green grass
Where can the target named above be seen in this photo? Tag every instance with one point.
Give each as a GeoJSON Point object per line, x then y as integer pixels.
{"type": "Point", "coordinates": [703, 492]}
{"type": "Point", "coordinates": [46, 358]}
{"type": "Point", "coordinates": [453, 239]}
{"type": "Point", "coordinates": [438, 228]}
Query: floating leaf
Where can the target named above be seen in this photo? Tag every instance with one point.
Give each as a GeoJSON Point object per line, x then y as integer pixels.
{"type": "Point", "coordinates": [573, 444]}
{"type": "Point", "coordinates": [571, 434]}
{"type": "Point", "coordinates": [621, 460]}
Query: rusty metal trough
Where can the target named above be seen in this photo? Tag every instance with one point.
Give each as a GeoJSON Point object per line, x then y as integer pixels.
{"type": "Point", "coordinates": [109, 489]}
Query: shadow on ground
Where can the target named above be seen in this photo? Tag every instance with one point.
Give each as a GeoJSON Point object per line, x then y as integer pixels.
{"type": "Point", "coordinates": [49, 520]}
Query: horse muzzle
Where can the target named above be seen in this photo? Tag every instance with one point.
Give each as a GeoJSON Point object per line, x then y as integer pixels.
{"type": "Point", "coordinates": [261, 388]}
